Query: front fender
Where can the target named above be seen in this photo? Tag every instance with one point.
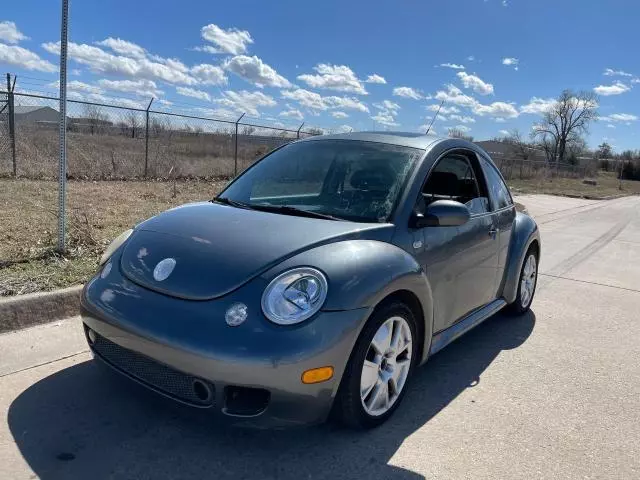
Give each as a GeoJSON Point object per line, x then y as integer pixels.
{"type": "Point", "coordinates": [361, 273]}
{"type": "Point", "coordinates": [525, 232]}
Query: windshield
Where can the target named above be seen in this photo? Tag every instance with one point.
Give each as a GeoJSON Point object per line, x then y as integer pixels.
{"type": "Point", "coordinates": [351, 180]}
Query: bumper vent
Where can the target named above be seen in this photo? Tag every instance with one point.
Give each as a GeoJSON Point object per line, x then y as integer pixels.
{"type": "Point", "coordinates": [178, 385]}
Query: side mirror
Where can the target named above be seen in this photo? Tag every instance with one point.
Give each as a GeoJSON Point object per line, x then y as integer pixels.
{"type": "Point", "coordinates": [441, 213]}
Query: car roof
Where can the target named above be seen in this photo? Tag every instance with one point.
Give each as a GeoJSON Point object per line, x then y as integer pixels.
{"type": "Point", "coordinates": [405, 139]}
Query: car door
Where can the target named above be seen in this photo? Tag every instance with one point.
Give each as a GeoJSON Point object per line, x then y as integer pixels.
{"type": "Point", "coordinates": [503, 211]}
{"type": "Point", "coordinates": [460, 262]}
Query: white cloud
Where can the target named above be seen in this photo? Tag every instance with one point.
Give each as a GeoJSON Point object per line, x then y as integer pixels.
{"type": "Point", "coordinates": [350, 103]}
{"type": "Point", "coordinates": [306, 98]}
{"type": "Point", "coordinates": [124, 47]}
{"type": "Point", "coordinates": [497, 109]}
{"type": "Point", "coordinates": [387, 105]}
{"type": "Point", "coordinates": [232, 40]}
{"type": "Point", "coordinates": [407, 92]}
{"type": "Point", "coordinates": [23, 58]}
{"type": "Point", "coordinates": [9, 33]}
{"type": "Point", "coordinates": [609, 72]}
{"type": "Point", "coordinates": [462, 128]}
{"type": "Point", "coordinates": [77, 86]}
{"type": "Point", "coordinates": [334, 77]}
{"type": "Point", "coordinates": [246, 102]}
{"type": "Point", "coordinates": [499, 120]}
{"type": "Point", "coordinates": [454, 95]}
{"type": "Point", "coordinates": [386, 119]}
{"type": "Point", "coordinates": [475, 83]}
{"type": "Point", "coordinates": [455, 66]}
{"type": "Point", "coordinates": [292, 113]}
{"type": "Point", "coordinates": [193, 93]}
{"type": "Point", "coordinates": [142, 87]}
{"type": "Point", "coordinates": [616, 89]}
{"type": "Point", "coordinates": [375, 78]}
{"type": "Point", "coordinates": [471, 58]}
{"type": "Point", "coordinates": [316, 101]}
{"type": "Point", "coordinates": [255, 71]}
{"type": "Point", "coordinates": [538, 105]}
{"type": "Point", "coordinates": [76, 71]}
{"type": "Point", "coordinates": [619, 117]}
{"type": "Point", "coordinates": [446, 110]}
{"type": "Point", "coordinates": [339, 114]}
{"type": "Point", "coordinates": [100, 61]}
{"type": "Point", "coordinates": [610, 126]}
{"type": "Point", "coordinates": [463, 119]}
{"type": "Point", "coordinates": [344, 129]}
{"type": "Point", "coordinates": [209, 74]}
{"type": "Point", "coordinates": [504, 132]}
{"type": "Point", "coordinates": [635, 80]}
{"type": "Point", "coordinates": [510, 61]}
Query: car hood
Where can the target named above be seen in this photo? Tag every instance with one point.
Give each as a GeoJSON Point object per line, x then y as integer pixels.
{"type": "Point", "coordinates": [214, 249]}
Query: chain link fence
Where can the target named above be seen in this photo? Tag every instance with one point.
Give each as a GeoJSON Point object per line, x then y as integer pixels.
{"type": "Point", "coordinates": [521, 169]}
{"type": "Point", "coordinates": [108, 142]}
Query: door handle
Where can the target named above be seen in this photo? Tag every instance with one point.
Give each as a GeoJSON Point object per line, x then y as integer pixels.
{"type": "Point", "coordinates": [493, 232]}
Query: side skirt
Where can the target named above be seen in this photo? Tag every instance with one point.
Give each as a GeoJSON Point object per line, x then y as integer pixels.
{"type": "Point", "coordinates": [475, 318]}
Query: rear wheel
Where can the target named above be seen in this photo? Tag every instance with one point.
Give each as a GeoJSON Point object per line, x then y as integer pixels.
{"type": "Point", "coordinates": [526, 283]}
{"type": "Point", "coordinates": [375, 379]}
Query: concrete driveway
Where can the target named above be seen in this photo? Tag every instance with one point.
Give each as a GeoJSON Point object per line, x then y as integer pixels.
{"type": "Point", "coordinates": [553, 394]}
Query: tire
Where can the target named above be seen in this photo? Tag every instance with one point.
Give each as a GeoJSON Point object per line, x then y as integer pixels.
{"type": "Point", "coordinates": [350, 407]}
{"type": "Point", "coordinates": [522, 303]}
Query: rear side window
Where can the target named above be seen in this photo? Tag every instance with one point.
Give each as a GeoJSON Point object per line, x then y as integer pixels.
{"type": "Point", "coordinates": [497, 189]}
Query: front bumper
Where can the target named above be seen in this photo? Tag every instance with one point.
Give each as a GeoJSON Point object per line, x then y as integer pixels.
{"type": "Point", "coordinates": [172, 345]}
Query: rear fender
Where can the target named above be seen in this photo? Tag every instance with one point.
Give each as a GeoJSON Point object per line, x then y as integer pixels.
{"type": "Point", "coordinates": [362, 273]}
{"type": "Point", "coordinates": [525, 232]}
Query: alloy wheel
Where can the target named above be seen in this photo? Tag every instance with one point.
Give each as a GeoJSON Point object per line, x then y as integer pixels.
{"type": "Point", "coordinates": [386, 366]}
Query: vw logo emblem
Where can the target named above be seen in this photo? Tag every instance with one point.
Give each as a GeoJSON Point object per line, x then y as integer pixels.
{"type": "Point", "coordinates": [163, 269]}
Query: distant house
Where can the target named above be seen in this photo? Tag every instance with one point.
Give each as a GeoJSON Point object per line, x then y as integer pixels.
{"type": "Point", "coordinates": [25, 114]}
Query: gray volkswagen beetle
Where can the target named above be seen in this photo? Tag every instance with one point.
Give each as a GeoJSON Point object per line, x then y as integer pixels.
{"type": "Point", "coordinates": [317, 281]}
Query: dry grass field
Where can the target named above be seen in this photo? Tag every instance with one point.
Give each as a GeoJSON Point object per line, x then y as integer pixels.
{"type": "Point", "coordinates": [111, 155]}
{"type": "Point", "coordinates": [607, 185]}
{"type": "Point", "coordinates": [98, 211]}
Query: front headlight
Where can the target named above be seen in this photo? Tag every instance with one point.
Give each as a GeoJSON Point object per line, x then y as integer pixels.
{"type": "Point", "coordinates": [294, 296]}
{"type": "Point", "coordinates": [113, 246]}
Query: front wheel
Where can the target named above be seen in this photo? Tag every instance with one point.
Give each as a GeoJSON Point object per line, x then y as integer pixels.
{"type": "Point", "coordinates": [381, 364]}
{"type": "Point", "coordinates": [527, 283]}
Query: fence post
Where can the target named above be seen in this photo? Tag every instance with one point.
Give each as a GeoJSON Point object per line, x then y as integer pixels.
{"type": "Point", "coordinates": [235, 150]}
{"type": "Point", "coordinates": [12, 125]}
{"type": "Point", "coordinates": [146, 140]}
{"type": "Point", "coordinates": [299, 128]}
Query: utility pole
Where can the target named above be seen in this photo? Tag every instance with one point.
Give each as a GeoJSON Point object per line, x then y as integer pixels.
{"type": "Point", "coordinates": [62, 165]}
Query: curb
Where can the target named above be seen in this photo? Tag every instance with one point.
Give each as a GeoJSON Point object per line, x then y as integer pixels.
{"type": "Point", "coordinates": [35, 308]}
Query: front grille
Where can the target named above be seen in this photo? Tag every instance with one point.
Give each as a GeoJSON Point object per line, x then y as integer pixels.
{"type": "Point", "coordinates": [179, 385]}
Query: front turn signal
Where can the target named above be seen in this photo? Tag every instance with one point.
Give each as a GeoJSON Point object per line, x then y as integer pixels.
{"type": "Point", "coordinates": [317, 375]}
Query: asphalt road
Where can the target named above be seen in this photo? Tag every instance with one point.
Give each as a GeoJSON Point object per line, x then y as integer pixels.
{"type": "Point", "coordinates": [553, 394]}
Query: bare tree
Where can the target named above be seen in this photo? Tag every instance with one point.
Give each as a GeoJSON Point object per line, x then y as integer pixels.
{"type": "Point", "coordinates": [94, 117]}
{"type": "Point", "coordinates": [565, 122]}
{"type": "Point", "coordinates": [457, 133]}
{"type": "Point", "coordinates": [133, 122]}
{"type": "Point", "coordinates": [521, 146]}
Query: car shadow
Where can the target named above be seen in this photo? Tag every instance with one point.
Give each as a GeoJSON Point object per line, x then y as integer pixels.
{"type": "Point", "coordinates": [84, 422]}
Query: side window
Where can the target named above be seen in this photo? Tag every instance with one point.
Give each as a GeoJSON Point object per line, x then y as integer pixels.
{"type": "Point", "coordinates": [456, 177]}
{"type": "Point", "coordinates": [499, 191]}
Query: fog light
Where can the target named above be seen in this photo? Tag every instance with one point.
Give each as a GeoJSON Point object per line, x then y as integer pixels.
{"type": "Point", "coordinates": [317, 375]}
{"type": "Point", "coordinates": [236, 314]}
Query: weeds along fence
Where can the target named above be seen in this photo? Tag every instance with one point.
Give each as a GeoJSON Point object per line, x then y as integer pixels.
{"type": "Point", "coordinates": [106, 142]}
{"type": "Point", "coordinates": [520, 169]}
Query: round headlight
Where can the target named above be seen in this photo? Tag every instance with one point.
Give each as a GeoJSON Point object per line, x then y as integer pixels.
{"type": "Point", "coordinates": [294, 296]}
{"type": "Point", "coordinates": [113, 246]}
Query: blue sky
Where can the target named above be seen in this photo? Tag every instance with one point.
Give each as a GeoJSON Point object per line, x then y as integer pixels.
{"type": "Point", "coordinates": [342, 64]}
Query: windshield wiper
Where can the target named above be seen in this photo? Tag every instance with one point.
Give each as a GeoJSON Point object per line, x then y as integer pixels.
{"type": "Point", "coordinates": [288, 210]}
{"type": "Point", "coordinates": [233, 203]}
